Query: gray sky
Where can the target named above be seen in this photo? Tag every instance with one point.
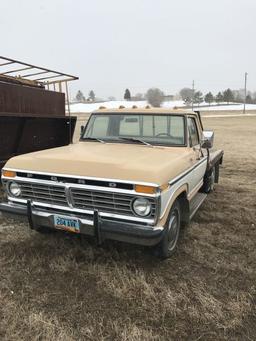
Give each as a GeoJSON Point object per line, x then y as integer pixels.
{"type": "Point", "coordinates": [114, 44]}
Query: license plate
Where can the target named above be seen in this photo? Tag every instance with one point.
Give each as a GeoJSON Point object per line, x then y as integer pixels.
{"type": "Point", "coordinates": [65, 223]}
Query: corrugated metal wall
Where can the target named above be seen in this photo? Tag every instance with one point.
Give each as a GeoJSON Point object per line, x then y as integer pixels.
{"type": "Point", "coordinates": [30, 100]}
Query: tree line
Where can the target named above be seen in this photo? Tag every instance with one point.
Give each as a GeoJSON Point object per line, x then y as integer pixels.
{"type": "Point", "coordinates": [155, 97]}
{"type": "Point", "coordinates": [190, 96]}
{"type": "Point", "coordinates": [81, 98]}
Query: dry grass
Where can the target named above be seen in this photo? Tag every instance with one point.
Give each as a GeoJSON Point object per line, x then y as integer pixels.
{"type": "Point", "coordinates": [58, 287]}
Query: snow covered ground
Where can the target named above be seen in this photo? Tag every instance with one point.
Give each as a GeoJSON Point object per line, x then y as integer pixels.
{"type": "Point", "coordinates": [235, 106]}
{"type": "Point", "coordinates": [89, 107]}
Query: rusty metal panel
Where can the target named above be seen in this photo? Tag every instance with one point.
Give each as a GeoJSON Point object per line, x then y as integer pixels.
{"type": "Point", "coordinates": [25, 100]}
{"type": "Point", "coordinates": [9, 132]}
{"type": "Point", "coordinates": [19, 135]}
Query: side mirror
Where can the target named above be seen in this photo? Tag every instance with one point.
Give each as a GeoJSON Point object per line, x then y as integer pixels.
{"type": "Point", "coordinates": [207, 139]}
{"type": "Point", "coordinates": [81, 130]}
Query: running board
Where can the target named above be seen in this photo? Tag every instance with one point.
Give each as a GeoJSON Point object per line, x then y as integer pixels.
{"type": "Point", "coordinates": [195, 203]}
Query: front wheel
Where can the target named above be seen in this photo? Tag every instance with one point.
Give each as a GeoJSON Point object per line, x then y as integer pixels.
{"type": "Point", "coordinates": [169, 242]}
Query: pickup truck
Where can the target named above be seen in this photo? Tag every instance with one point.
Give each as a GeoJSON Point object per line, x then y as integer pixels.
{"type": "Point", "coordinates": [136, 175]}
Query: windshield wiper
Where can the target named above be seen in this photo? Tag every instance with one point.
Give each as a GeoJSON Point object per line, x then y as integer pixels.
{"type": "Point", "coordinates": [135, 140]}
{"type": "Point", "coordinates": [94, 139]}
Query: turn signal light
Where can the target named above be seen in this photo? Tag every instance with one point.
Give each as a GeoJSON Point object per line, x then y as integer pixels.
{"type": "Point", "coordinates": [8, 174]}
{"type": "Point", "coordinates": [145, 189]}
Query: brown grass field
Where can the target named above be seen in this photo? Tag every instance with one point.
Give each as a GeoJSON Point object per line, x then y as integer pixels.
{"type": "Point", "coordinates": [59, 287]}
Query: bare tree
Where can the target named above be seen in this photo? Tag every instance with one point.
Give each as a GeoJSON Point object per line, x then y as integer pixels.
{"type": "Point", "coordinates": [111, 98]}
{"type": "Point", "coordinates": [187, 95]}
{"type": "Point", "coordinates": [138, 97]}
{"type": "Point", "coordinates": [239, 95]}
{"type": "Point", "coordinates": [155, 97]}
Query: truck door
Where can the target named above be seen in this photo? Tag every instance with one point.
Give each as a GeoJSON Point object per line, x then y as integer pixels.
{"type": "Point", "coordinates": [197, 160]}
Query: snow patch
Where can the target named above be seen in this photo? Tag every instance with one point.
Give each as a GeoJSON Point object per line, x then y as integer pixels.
{"type": "Point", "coordinates": [89, 107]}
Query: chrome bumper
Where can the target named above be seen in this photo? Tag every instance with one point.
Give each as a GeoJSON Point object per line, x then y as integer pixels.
{"type": "Point", "coordinates": [100, 228]}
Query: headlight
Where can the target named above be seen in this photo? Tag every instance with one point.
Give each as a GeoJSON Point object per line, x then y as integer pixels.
{"type": "Point", "coordinates": [141, 207]}
{"type": "Point", "coordinates": [14, 189]}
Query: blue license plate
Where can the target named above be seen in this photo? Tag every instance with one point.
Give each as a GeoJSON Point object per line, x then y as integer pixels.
{"type": "Point", "coordinates": [66, 223]}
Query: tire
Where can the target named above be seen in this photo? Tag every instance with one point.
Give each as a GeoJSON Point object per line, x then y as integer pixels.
{"type": "Point", "coordinates": [168, 244]}
{"type": "Point", "coordinates": [209, 180]}
{"type": "Point", "coordinates": [217, 172]}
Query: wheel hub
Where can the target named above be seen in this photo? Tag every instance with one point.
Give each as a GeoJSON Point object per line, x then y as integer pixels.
{"type": "Point", "coordinates": [173, 231]}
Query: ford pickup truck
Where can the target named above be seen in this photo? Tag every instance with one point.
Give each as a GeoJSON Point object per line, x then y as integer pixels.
{"type": "Point", "coordinates": [136, 175]}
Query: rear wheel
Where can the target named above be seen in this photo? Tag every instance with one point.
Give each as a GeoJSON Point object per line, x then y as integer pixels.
{"type": "Point", "coordinates": [168, 244]}
{"type": "Point", "coordinates": [209, 180]}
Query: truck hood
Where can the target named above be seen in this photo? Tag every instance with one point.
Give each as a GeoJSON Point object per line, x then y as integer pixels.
{"type": "Point", "coordinates": [130, 162]}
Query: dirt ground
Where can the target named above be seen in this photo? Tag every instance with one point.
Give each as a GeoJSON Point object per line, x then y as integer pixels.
{"type": "Point", "coordinates": [58, 287]}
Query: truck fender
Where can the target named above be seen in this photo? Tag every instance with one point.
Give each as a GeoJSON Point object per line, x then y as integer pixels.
{"type": "Point", "coordinates": [181, 195]}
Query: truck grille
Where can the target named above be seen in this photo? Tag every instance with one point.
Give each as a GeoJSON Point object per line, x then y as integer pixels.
{"type": "Point", "coordinates": [54, 195]}
{"type": "Point", "coordinates": [109, 202]}
{"type": "Point", "coordinates": [105, 201]}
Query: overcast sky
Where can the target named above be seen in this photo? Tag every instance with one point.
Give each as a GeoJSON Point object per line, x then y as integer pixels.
{"type": "Point", "coordinates": [115, 44]}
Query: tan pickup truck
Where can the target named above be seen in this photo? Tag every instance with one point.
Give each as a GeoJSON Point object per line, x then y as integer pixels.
{"type": "Point", "coordinates": [136, 175]}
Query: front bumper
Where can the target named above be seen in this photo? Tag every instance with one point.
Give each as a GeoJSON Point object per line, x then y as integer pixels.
{"type": "Point", "coordinates": [106, 228]}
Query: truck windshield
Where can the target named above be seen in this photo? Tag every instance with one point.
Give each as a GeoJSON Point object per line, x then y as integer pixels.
{"type": "Point", "coordinates": [153, 129]}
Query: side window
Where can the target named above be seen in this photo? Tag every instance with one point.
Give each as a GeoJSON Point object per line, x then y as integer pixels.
{"type": "Point", "coordinates": [193, 133]}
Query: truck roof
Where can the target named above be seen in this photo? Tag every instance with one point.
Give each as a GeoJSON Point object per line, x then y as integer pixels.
{"type": "Point", "coordinates": [149, 111]}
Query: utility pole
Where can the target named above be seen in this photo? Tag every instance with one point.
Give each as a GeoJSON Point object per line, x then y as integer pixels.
{"type": "Point", "coordinates": [245, 89]}
{"type": "Point", "coordinates": [193, 92]}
